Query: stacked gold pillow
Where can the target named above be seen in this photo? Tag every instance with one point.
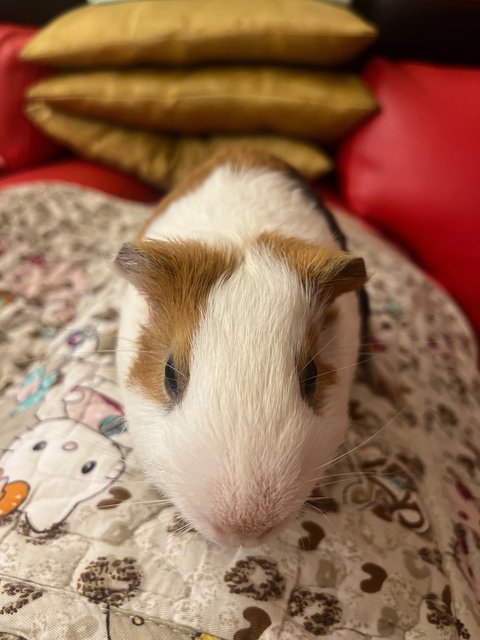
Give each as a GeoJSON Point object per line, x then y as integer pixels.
{"type": "Point", "coordinates": [154, 87]}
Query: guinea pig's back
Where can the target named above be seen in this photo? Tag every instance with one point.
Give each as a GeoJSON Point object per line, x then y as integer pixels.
{"type": "Point", "coordinates": [238, 197]}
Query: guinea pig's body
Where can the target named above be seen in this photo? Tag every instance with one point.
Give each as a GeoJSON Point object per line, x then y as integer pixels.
{"type": "Point", "coordinates": [244, 324]}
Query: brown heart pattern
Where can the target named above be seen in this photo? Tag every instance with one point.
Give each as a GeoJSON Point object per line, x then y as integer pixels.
{"type": "Point", "coordinates": [315, 535]}
{"type": "Point", "coordinates": [259, 621]}
{"type": "Point", "coordinates": [377, 574]}
{"type": "Point", "coordinates": [119, 495]}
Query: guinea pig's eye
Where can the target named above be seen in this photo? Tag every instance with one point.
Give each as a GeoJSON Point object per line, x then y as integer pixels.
{"type": "Point", "coordinates": [308, 377]}
{"type": "Point", "coordinates": [171, 380]}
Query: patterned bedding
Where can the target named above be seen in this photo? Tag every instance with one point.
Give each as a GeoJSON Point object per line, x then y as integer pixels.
{"type": "Point", "coordinates": [388, 548]}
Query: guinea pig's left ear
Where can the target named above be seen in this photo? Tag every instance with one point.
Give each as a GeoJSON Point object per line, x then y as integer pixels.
{"type": "Point", "coordinates": [134, 261]}
{"type": "Point", "coordinates": [324, 270]}
{"type": "Point", "coordinates": [334, 272]}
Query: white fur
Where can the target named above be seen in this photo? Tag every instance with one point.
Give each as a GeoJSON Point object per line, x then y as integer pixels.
{"type": "Point", "coordinates": [241, 452]}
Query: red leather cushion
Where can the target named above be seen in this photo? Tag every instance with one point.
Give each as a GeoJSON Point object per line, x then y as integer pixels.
{"type": "Point", "coordinates": [86, 174]}
{"type": "Point", "coordinates": [21, 144]}
{"type": "Point", "coordinates": [414, 170]}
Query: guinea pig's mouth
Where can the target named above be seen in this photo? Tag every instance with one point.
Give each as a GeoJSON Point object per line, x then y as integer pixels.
{"type": "Point", "coordinates": [235, 540]}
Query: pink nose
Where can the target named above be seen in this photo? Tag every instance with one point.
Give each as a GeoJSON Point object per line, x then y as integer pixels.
{"type": "Point", "coordinates": [240, 536]}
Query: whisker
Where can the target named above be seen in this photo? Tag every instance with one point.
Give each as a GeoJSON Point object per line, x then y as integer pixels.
{"type": "Point", "coordinates": [115, 337]}
{"type": "Point", "coordinates": [156, 523]}
{"type": "Point", "coordinates": [351, 451]}
{"type": "Point", "coordinates": [143, 480]}
{"type": "Point", "coordinates": [46, 358]}
{"type": "Point", "coordinates": [323, 514]}
{"type": "Point", "coordinates": [337, 482]}
{"type": "Point", "coordinates": [358, 474]}
{"type": "Point", "coordinates": [348, 366]}
{"type": "Point", "coordinates": [182, 530]}
{"type": "Point", "coordinates": [320, 351]}
{"type": "Point", "coordinates": [151, 502]}
{"type": "Point", "coordinates": [177, 371]}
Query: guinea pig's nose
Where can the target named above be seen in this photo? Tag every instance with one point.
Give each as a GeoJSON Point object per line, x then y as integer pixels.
{"type": "Point", "coordinates": [217, 529]}
{"type": "Point", "coordinates": [240, 536]}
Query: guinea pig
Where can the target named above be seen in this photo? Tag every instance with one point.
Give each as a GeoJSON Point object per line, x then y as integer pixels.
{"type": "Point", "coordinates": [242, 322]}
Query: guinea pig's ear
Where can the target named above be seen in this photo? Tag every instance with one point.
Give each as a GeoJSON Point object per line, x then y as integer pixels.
{"type": "Point", "coordinates": [157, 266]}
{"type": "Point", "coordinates": [325, 270]}
{"type": "Point", "coordinates": [136, 261]}
{"type": "Point", "coordinates": [333, 272]}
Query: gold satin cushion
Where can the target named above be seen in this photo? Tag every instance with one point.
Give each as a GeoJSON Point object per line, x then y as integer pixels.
{"type": "Point", "coordinates": [178, 32]}
{"type": "Point", "coordinates": [312, 104]}
{"type": "Point", "coordinates": [161, 159]}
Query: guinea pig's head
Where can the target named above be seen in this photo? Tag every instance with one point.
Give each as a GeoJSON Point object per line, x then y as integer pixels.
{"type": "Point", "coordinates": [234, 394]}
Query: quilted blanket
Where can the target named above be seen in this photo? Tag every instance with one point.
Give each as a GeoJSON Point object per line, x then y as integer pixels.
{"type": "Point", "coordinates": [388, 547]}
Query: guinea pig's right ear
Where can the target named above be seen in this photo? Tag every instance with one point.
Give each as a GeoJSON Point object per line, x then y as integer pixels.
{"type": "Point", "coordinates": [157, 266]}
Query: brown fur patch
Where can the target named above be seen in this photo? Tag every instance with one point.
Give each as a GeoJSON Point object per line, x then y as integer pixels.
{"type": "Point", "coordinates": [326, 270]}
{"type": "Point", "coordinates": [247, 158]}
{"type": "Point", "coordinates": [176, 278]}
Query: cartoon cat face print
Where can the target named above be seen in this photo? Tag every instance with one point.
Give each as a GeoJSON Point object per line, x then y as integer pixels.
{"type": "Point", "coordinates": [63, 463]}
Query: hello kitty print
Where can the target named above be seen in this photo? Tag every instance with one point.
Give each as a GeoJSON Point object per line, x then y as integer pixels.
{"type": "Point", "coordinates": [55, 465]}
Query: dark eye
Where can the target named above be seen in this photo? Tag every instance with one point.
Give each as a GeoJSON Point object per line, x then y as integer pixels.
{"type": "Point", "coordinates": [171, 380]}
{"type": "Point", "coordinates": [39, 446]}
{"type": "Point", "coordinates": [88, 466]}
{"type": "Point", "coordinates": [308, 378]}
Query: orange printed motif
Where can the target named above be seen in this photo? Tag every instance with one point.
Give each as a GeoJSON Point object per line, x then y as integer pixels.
{"type": "Point", "coordinates": [12, 494]}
